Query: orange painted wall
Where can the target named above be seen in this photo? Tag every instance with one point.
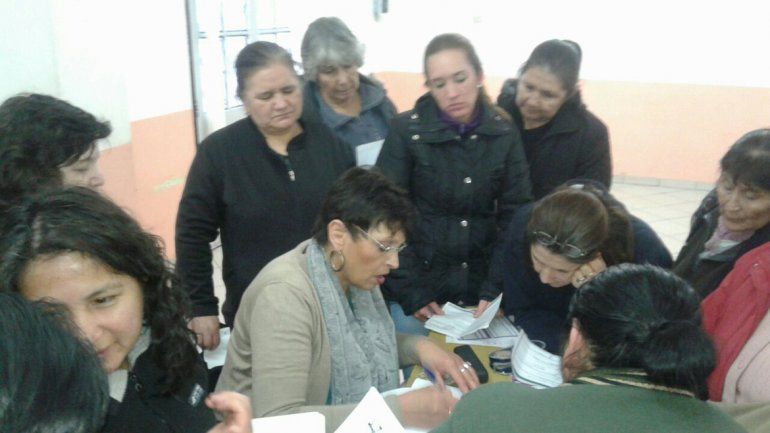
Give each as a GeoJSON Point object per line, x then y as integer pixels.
{"type": "Point", "coordinates": [663, 131]}
{"type": "Point", "coordinates": [146, 176]}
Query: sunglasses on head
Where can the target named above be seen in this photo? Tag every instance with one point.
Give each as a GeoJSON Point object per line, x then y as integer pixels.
{"type": "Point", "coordinates": [568, 250]}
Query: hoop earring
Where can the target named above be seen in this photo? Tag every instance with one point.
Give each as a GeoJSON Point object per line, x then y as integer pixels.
{"type": "Point", "coordinates": [341, 260]}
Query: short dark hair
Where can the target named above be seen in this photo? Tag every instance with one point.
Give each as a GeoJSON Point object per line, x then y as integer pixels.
{"type": "Point", "coordinates": [329, 40]}
{"type": "Point", "coordinates": [366, 198]}
{"type": "Point", "coordinates": [50, 381]}
{"type": "Point", "coordinates": [584, 216]}
{"type": "Point", "coordinates": [642, 316]}
{"type": "Point", "coordinates": [80, 220]}
{"type": "Point", "coordinates": [39, 134]}
{"type": "Point", "coordinates": [560, 57]}
{"type": "Point", "coordinates": [256, 56]}
{"type": "Point", "coordinates": [748, 160]}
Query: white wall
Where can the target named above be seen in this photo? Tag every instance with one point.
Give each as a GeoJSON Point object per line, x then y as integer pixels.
{"type": "Point", "coordinates": [122, 61]}
{"type": "Point", "coordinates": [684, 41]}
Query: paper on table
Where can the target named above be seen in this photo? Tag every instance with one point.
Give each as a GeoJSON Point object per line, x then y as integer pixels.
{"type": "Point", "coordinates": [417, 384]}
{"type": "Point", "coordinates": [216, 357]}
{"type": "Point", "coordinates": [372, 414]}
{"type": "Point", "coordinates": [307, 422]}
{"type": "Point", "coordinates": [501, 333]}
{"type": "Point", "coordinates": [535, 366]}
{"type": "Point", "coordinates": [366, 154]}
{"type": "Point", "coordinates": [458, 322]}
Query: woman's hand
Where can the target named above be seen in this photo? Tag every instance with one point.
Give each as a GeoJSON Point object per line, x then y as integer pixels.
{"type": "Point", "coordinates": [206, 329]}
{"type": "Point", "coordinates": [483, 305]}
{"type": "Point", "coordinates": [426, 407]}
{"type": "Point", "coordinates": [427, 311]}
{"type": "Point", "coordinates": [587, 271]}
{"type": "Point", "coordinates": [235, 409]}
{"type": "Point", "coordinates": [441, 362]}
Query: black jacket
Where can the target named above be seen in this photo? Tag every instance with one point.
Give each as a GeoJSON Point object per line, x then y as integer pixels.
{"type": "Point", "coordinates": [238, 187]}
{"type": "Point", "coordinates": [541, 310]}
{"type": "Point", "coordinates": [705, 274]}
{"type": "Point", "coordinates": [466, 189]}
{"type": "Point", "coordinates": [575, 145]}
{"type": "Point", "coordinates": [145, 410]}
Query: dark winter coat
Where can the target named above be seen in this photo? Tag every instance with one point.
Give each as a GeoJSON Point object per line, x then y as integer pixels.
{"type": "Point", "coordinates": [261, 205]}
{"type": "Point", "coordinates": [575, 145]}
{"type": "Point", "coordinates": [466, 188]}
{"type": "Point", "coordinates": [705, 274]}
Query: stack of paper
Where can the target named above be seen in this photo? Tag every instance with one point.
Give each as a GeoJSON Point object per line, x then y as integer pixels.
{"type": "Point", "coordinates": [535, 366]}
{"type": "Point", "coordinates": [458, 322]}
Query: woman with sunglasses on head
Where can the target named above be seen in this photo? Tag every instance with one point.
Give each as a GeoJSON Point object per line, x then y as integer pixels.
{"type": "Point", "coordinates": [313, 332]}
{"type": "Point", "coordinates": [557, 244]}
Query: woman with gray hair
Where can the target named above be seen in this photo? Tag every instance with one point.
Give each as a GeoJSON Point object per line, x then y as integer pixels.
{"type": "Point", "coordinates": [353, 106]}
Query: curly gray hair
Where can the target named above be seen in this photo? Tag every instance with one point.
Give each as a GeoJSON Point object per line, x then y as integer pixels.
{"type": "Point", "coordinates": [328, 41]}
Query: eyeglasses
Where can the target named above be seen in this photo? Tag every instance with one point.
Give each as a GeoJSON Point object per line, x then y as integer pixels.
{"type": "Point", "coordinates": [383, 248]}
{"type": "Point", "coordinates": [569, 250]}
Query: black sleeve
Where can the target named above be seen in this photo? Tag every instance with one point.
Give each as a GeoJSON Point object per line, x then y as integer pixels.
{"type": "Point", "coordinates": [394, 159]}
{"type": "Point", "coordinates": [197, 225]}
{"type": "Point", "coordinates": [595, 161]}
{"type": "Point", "coordinates": [648, 247]}
{"type": "Point", "coordinates": [516, 192]}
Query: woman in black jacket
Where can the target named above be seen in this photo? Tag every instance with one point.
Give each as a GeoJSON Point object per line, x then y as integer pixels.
{"type": "Point", "coordinates": [733, 219]}
{"type": "Point", "coordinates": [465, 170]}
{"type": "Point", "coordinates": [79, 249]}
{"type": "Point", "coordinates": [562, 139]}
{"type": "Point", "coordinates": [258, 183]}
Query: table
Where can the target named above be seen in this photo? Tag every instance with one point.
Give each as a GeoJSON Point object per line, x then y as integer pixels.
{"type": "Point", "coordinates": [481, 351]}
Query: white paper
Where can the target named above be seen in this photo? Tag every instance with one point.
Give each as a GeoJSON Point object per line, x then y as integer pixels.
{"type": "Point", "coordinates": [366, 154]}
{"type": "Point", "coordinates": [216, 357]}
{"type": "Point", "coordinates": [535, 366]}
{"type": "Point", "coordinates": [373, 415]}
{"type": "Point", "coordinates": [417, 384]}
{"type": "Point", "coordinates": [501, 333]}
{"type": "Point", "coordinates": [458, 322]}
{"type": "Point", "coordinates": [308, 422]}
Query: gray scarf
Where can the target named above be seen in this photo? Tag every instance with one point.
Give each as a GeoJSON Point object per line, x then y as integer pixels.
{"type": "Point", "coordinates": [362, 339]}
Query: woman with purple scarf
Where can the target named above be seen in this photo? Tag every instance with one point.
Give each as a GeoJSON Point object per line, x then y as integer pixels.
{"type": "Point", "coordinates": [464, 166]}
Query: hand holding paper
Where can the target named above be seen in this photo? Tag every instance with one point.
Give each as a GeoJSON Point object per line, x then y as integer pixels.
{"type": "Point", "coordinates": [458, 322]}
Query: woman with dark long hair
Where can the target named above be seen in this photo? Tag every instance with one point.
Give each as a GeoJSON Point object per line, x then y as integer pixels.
{"type": "Point", "coordinates": [79, 249]}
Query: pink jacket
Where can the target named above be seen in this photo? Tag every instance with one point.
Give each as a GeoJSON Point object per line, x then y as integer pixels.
{"type": "Point", "coordinates": [731, 316]}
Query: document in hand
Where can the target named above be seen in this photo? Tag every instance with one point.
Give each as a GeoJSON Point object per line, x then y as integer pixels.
{"type": "Point", "coordinates": [501, 333]}
{"type": "Point", "coordinates": [458, 322]}
{"type": "Point", "coordinates": [533, 365]}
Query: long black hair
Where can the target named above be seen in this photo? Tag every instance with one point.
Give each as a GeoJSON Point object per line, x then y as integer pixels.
{"type": "Point", "coordinates": [642, 316]}
{"type": "Point", "coordinates": [50, 381]}
{"type": "Point", "coordinates": [80, 220]}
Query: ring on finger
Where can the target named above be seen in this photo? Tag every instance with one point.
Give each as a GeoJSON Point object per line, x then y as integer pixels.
{"type": "Point", "coordinates": [581, 279]}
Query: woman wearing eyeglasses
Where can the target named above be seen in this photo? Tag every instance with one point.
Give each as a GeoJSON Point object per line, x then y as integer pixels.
{"type": "Point", "coordinates": [313, 332]}
{"type": "Point", "coordinates": [559, 243]}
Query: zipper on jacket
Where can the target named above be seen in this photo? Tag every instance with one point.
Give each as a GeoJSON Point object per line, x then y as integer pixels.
{"type": "Point", "coordinates": [289, 169]}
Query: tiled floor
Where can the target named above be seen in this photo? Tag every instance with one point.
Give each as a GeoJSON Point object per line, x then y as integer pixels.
{"type": "Point", "coordinates": [666, 209]}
